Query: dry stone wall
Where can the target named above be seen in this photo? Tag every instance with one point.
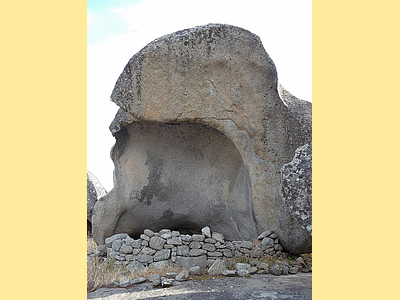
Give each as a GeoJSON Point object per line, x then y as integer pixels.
{"type": "Point", "coordinates": [165, 248]}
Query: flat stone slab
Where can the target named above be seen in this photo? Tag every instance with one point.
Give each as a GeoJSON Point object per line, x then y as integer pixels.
{"type": "Point", "coordinates": [293, 287]}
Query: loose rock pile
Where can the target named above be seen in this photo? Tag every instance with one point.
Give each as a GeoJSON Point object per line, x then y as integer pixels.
{"type": "Point", "coordinates": [196, 253]}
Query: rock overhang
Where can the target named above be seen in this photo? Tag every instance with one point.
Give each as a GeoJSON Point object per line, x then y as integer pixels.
{"type": "Point", "coordinates": [220, 76]}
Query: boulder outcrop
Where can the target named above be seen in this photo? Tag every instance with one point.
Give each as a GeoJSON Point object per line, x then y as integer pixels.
{"type": "Point", "coordinates": [95, 191]}
{"type": "Point", "coordinates": [202, 134]}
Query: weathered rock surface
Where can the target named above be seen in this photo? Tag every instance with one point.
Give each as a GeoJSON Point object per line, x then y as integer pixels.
{"type": "Point", "coordinates": [136, 266]}
{"type": "Point", "coordinates": [95, 191]}
{"type": "Point", "coordinates": [217, 268]}
{"type": "Point", "coordinates": [296, 190]}
{"type": "Point", "coordinates": [276, 270]}
{"type": "Point", "coordinates": [229, 273]}
{"type": "Point", "coordinates": [297, 286]}
{"type": "Point", "coordinates": [202, 133]}
{"type": "Point", "coordinates": [184, 275]}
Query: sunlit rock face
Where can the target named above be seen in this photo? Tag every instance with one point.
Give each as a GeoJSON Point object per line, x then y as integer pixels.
{"type": "Point", "coordinates": [202, 133]}
{"type": "Point", "coordinates": [95, 190]}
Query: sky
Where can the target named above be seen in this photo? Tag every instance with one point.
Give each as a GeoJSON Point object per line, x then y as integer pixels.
{"type": "Point", "coordinates": [116, 30]}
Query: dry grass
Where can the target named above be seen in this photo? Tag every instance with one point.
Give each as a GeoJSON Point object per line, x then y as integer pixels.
{"type": "Point", "coordinates": [106, 274]}
{"type": "Point", "coordinates": [101, 273]}
{"type": "Point", "coordinates": [307, 259]}
{"type": "Point", "coordinates": [91, 245]}
{"type": "Point", "coordinates": [151, 271]}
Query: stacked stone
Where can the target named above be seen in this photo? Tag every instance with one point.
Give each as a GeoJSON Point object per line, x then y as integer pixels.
{"type": "Point", "coordinates": [160, 249]}
{"type": "Point", "coordinates": [279, 268]}
{"type": "Point", "coordinates": [267, 243]}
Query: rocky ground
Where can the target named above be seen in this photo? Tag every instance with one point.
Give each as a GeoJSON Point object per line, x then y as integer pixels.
{"type": "Point", "coordinates": [266, 286]}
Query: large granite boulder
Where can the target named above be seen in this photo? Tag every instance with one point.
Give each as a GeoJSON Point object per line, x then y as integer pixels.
{"type": "Point", "coordinates": [202, 133]}
{"type": "Point", "coordinates": [95, 191]}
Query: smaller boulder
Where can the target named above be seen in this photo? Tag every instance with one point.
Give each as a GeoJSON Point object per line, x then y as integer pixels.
{"type": "Point", "coordinates": [166, 282]}
{"type": "Point", "coordinates": [125, 249]}
{"type": "Point", "coordinates": [122, 276]}
{"type": "Point", "coordinates": [119, 236]}
{"type": "Point", "coordinates": [300, 260]}
{"type": "Point", "coordinates": [187, 238]}
{"type": "Point", "coordinates": [247, 245]}
{"type": "Point", "coordinates": [198, 237]}
{"type": "Point", "coordinates": [218, 236]}
{"type": "Point", "coordinates": [175, 240]}
{"type": "Point", "coordinates": [159, 265]}
{"type": "Point", "coordinates": [217, 267]}
{"type": "Point", "coordinates": [148, 251]}
{"type": "Point", "coordinates": [285, 270]}
{"type": "Point", "coordinates": [175, 233]}
{"type": "Point", "coordinates": [163, 231]}
{"type": "Point", "coordinates": [243, 272]}
{"type": "Point", "coordinates": [263, 266]}
{"type": "Point", "coordinates": [171, 274]}
{"type": "Point", "coordinates": [182, 276]}
{"type": "Point", "coordinates": [273, 236]}
{"type": "Point", "coordinates": [264, 235]}
{"type": "Point", "coordinates": [148, 232]}
{"type": "Point", "coordinates": [125, 283]}
{"type": "Point", "coordinates": [145, 237]}
{"type": "Point", "coordinates": [253, 270]}
{"type": "Point", "coordinates": [136, 266]}
{"type": "Point", "coordinates": [197, 252]}
{"type": "Point", "coordinates": [95, 191]}
{"type": "Point", "coordinates": [241, 266]}
{"type": "Point", "coordinates": [196, 270]}
{"type": "Point", "coordinates": [182, 250]}
{"type": "Point", "coordinates": [154, 279]}
{"type": "Point", "coordinates": [229, 273]}
{"type": "Point", "coordinates": [206, 231]}
{"type": "Point", "coordinates": [256, 252]}
{"type": "Point", "coordinates": [116, 245]}
{"type": "Point", "coordinates": [163, 254]}
{"type": "Point", "coordinates": [156, 242]}
{"type": "Point", "coordinates": [138, 280]}
{"type": "Point", "coordinates": [276, 270]}
{"type": "Point", "coordinates": [266, 243]}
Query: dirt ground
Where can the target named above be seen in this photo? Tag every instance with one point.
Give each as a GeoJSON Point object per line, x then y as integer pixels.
{"type": "Point", "coordinates": [268, 286]}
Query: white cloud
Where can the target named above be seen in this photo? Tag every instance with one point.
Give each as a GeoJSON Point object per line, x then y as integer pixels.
{"type": "Point", "coordinates": [90, 21]}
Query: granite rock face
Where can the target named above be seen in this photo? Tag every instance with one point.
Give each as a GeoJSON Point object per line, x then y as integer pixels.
{"type": "Point", "coordinates": [95, 191]}
{"type": "Point", "coordinates": [296, 187]}
{"type": "Point", "coordinates": [202, 133]}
